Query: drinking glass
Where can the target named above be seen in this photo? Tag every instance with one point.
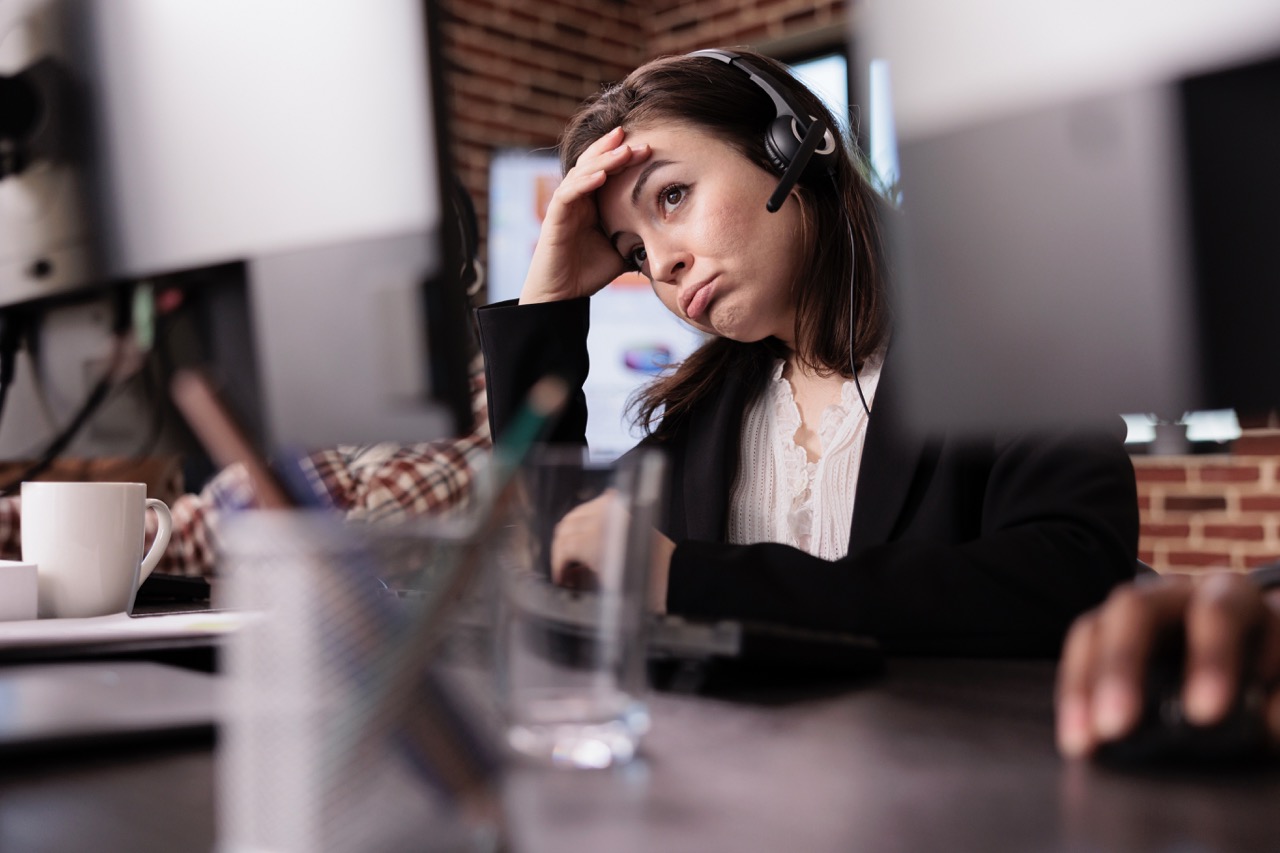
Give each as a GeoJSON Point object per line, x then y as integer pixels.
{"type": "Point", "coordinates": [571, 650]}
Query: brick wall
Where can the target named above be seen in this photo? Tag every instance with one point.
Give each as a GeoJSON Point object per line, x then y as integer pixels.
{"type": "Point", "coordinates": [679, 26]}
{"type": "Point", "coordinates": [1207, 511]}
{"type": "Point", "coordinates": [519, 68]}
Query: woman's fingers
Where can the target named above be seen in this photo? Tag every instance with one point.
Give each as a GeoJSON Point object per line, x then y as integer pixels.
{"type": "Point", "coordinates": [578, 576]}
{"type": "Point", "coordinates": [609, 140]}
{"type": "Point", "coordinates": [570, 202]}
{"type": "Point", "coordinates": [610, 153]}
{"type": "Point", "coordinates": [1269, 661]}
{"type": "Point", "coordinates": [1223, 618]}
{"type": "Point", "coordinates": [571, 547]}
{"type": "Point", "coordinates": [1075, 688]}
{"type": "Point", "coordinates": [592, 170]}
{"type": "Point", "coordinates": [1133, 619]}
{"type": "Point", "coordinates": [573, 257]}
{"type": "Point", "coordinates": [578, 540]}
{"type": "Point", "coordinates": [1105, 659]}
{"type": "Point", "coordinates": [578, 549]}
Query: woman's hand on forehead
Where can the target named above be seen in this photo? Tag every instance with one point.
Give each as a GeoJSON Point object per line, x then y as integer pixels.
{"type": "Point", "coordinates": [574, 257]}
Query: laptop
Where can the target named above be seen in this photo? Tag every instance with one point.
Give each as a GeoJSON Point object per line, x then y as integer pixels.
{"type": "Point", "coordinates": [90, 705]}
{"type": "Point", "coordinates": [702, 651]}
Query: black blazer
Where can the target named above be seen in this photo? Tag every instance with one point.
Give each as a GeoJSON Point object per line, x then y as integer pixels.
{"type": "Point", "coordinates": [958, 546]}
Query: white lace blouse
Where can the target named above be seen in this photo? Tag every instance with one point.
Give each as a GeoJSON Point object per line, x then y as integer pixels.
{"type": "Point", "coordinates": [779, 495]}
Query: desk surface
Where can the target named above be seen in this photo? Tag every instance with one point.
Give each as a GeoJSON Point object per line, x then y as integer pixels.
{"type": "Point", "coordinates": [939, 755]}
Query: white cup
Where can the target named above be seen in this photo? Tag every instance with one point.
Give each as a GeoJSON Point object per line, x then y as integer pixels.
{"type": "Point", "coordinates": [86, 540]}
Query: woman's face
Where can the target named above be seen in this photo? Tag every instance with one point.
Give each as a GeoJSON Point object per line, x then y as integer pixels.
{"type": "Point", "coordinates": [691, 217]}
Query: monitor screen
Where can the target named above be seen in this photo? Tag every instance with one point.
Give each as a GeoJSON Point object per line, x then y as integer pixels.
{"type": "Point", "coordinates": [298, 149]}
{"type": "Point", "coordinates": [827, 74]}
{"type": "Point", "coordinates": [1084, 189]}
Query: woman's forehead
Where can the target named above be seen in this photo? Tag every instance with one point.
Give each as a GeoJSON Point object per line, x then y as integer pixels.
{"type": "Point", "coordinates": [652, 131]}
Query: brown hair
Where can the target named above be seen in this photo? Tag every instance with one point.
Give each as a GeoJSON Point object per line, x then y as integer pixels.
{"type": "Point", "coordinates": [711, 96]}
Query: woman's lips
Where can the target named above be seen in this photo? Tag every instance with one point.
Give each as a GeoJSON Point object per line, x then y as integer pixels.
{"type": "Point", "coordinates": [699, 298]}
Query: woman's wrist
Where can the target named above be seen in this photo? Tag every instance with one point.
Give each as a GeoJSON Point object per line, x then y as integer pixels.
{"type": "Point", "coordinates": [531, 295]}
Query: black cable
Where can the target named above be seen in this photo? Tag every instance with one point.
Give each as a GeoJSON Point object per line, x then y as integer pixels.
{"type": "Point", "coordinates": [155, 428]}
{"type": "Point", "coordinates": [151, 388]}
{"type": "Point", "coordinates": [12, 326]}
{"type": "Point", "coordinates": [817, 130]}
{"type": "Point", "coordinates": [121, 324]}
{"type": "Point", "coordinates": [87, 410]}
{"type": "Point", "coordinates": [853, 280]}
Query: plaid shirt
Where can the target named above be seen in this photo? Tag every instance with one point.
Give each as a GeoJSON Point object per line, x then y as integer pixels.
{"type": "Point", "coordinates": [378, 482]}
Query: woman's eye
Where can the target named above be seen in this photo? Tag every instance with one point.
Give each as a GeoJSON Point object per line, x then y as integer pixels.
{"type": "Point", "coordinates": [671, 197]}
{"type": "Point", "coordinates": [637, 257]}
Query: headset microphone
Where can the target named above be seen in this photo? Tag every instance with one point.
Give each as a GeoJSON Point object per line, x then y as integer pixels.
{"type": "Point", "coordinates": [808, 145]}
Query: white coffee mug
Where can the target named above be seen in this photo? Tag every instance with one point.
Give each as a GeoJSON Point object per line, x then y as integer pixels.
{"type": "Point", "coordinates": [86, 540]}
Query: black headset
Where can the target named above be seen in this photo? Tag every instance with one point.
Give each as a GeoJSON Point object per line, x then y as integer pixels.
{"type": "Point", "coordinates": [796, 142]}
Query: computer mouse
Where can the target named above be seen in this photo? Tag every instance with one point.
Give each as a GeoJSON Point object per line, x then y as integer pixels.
{"type": "Point", "coordinates": [1164, 736]}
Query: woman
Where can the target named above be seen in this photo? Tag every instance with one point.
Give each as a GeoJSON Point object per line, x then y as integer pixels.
{"type": "Point", "coordinates": [796, 495]}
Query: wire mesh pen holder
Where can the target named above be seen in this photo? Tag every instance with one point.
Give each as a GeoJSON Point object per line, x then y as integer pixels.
{"type": "Point", "coordinates": [336, 734]}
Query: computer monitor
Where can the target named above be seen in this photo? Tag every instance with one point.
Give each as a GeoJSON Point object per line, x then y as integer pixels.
{"type": "Point", "coordinates": [1089, 204]}
{"type": "Point", "coordinates": [294, 150]}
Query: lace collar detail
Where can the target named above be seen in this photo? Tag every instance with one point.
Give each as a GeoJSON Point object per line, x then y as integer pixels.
{"type": "Point", "coordinates": [838, 423]}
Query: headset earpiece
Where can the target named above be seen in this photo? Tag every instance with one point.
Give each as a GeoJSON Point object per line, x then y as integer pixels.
{"type": "Point", "coordinates": [784, 139]}
{"type": "Point", "coordinates": [781, 144]}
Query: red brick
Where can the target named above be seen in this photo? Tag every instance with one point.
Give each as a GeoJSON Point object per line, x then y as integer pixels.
{"type": "Point", "coordinates": [1242, 532]}
{"type": "Point", "coordinates": [1230, 474]}
{"type": "Point", "coordinates": [801, 17]}
{"type": "Point", "coordinates": [1199, 558]}
{"type": "Point", "coordinates": [1194, 503]}
{"type": "Point", "coordinates": [1260, 560]}
{"type": "Point", "coordinates": [1160, 474]}
{"type": "Point", "coordinates": [1204, 570]}
{"type": "Point", "coordinates": [1144, 502]}
{"type": "Point", "coordinates": [1179, 531]}
{"type": "Point", "coordinates": [1260, 503]}
{"type": "Point", "coordinates": [1257, 444]}
{"type": "Point", "coordinates": [750, 34]}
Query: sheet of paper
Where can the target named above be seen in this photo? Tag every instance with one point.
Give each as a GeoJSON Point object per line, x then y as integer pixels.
{"type": "Point", "coordinates": [118, 627]}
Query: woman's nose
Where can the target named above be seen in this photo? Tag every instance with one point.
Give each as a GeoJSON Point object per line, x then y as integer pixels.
{"type": "Point", "coordinates": [667, 263]}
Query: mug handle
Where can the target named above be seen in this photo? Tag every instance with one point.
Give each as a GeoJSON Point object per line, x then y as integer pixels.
{"type": "Point", "coordinates": [161, 542]}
